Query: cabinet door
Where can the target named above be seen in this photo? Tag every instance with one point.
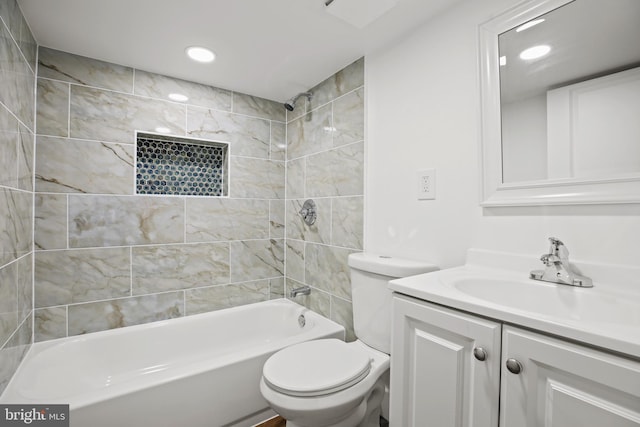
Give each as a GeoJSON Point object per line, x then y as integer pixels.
{"type": "Point", "coordinates": [562, 384]}
{"type": "Point", "coordinates": [435, 378]}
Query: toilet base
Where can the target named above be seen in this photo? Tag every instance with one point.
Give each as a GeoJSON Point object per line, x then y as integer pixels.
{"type": "Point", "coordinates": [367, 414]}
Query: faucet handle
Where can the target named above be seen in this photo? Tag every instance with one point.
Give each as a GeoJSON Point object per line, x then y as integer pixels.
{"type": "Point", "coordinates": [558, 248]}
{"type": "Point", "coordinates": [549, 259]}
{"type": "Point", "coordinates": [555, 243]}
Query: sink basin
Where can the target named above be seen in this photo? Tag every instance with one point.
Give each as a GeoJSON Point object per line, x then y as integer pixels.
{"type": "Point", "coordinates": [582, 304]}
{"type": "Point", "coordinates": [497, 286]}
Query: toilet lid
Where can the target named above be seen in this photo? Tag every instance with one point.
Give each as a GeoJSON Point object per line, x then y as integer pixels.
{"type": "Point", "coordinates": [316, 368]}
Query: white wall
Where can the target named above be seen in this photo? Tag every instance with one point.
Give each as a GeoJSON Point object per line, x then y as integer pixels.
{"type": "Point", "coordinates": [422, 112]}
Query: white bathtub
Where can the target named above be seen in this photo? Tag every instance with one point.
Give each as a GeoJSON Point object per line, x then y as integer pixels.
{"type": "Point", "coordinates": [201, 370]}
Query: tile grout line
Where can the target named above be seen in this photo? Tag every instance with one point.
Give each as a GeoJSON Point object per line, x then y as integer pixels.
{"type": "Point", "coordinates": [33, 199]}
{"type": "Point", "coordinates": [69, 112]}
{"type": "Point", "coordinates": [67, 218]}
{"type": "Point", "coordinates": [153, 245]}
{"type": "Point", "coordinates": [130, 270]}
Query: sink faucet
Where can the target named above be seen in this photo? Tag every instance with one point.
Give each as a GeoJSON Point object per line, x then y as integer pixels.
{"type": "Point", "coordinates": [302, 290]}
{"type": "Point", "coordinates": [557, 267]}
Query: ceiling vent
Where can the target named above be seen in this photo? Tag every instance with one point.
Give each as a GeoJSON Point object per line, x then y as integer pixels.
{"type": "Point", "coordinates": [359, 13]}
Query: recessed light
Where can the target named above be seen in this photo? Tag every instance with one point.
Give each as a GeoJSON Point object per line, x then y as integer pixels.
{"type": "Point", "coordinates": [535, 52]}
{"type": "Point", "coordinates": [503, 61]}
{"type": "Point", "coordinates": [529, 24]}
{"type": "Point", "coordinates": [200, 54]}
{"type": "Point", "coordinates": [178, 97]}
{"type": "Point", "coordinates": [162, 129]}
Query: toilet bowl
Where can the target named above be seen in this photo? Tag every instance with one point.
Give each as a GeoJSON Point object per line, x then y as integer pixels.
{"type": "Point", "coordinates": [330, 383]}
{"type": "Point", "coordinates": [326, 383]}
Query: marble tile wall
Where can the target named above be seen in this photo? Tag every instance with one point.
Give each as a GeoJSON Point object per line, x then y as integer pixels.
{"type": "Point", "coordinates": [106, 257]}
{"type": "Point", "coordinates": [17, 106]}
{"type": "Point", "coordinates": [325, 162]}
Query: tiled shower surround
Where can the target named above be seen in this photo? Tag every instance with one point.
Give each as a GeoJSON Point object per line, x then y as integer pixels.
{"type": "Point", "coordinates": [107, 257]}
{"type": "Point", "coordinates": [17, 89]}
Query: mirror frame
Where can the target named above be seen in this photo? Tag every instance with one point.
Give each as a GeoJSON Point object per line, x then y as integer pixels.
{"type": "Point", "coordinates": [570, 191]}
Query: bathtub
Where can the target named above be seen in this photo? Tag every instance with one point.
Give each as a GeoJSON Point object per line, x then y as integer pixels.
{"type": "Point", "coordinates": [201, 370]}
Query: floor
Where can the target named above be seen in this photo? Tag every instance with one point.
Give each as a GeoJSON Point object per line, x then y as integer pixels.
{"type": "Point", "coordinates": [281, 422]}
{"type": "Point", "coordinates": [274, 422]}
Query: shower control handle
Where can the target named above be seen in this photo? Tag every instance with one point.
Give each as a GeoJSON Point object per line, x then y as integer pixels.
{"type": "Point", "coordinates": [308, 212]}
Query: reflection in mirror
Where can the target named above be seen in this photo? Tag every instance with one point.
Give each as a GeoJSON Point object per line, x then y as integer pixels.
{"type": "Point", "coordinates": [571, 110]}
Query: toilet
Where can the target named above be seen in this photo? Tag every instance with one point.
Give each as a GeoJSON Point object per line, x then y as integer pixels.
{"type": "Point", "coordinates": [330, 383]}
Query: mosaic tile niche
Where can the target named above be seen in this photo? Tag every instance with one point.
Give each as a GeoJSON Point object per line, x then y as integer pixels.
{"type": "Point", "coordinates": [170, 165]}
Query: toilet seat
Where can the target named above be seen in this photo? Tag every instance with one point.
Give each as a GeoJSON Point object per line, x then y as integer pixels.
{"type": "Point", "coordinates": [316, 368]}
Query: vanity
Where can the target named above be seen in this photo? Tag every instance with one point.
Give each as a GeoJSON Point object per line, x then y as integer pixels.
{"type": "Point", "coordinates": [485, 345]}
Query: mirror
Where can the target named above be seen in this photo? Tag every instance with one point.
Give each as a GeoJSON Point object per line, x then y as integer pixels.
{"type": "Point", "coordinates": [561, 125]}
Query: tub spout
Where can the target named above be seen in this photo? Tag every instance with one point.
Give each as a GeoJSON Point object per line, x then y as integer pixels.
{"type": "Point", "coordinates": [302, 290]}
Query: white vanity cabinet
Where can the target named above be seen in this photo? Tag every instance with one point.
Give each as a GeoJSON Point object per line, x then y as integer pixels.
{"type": "Point", "coordinates": [564, 384]}
{"type": "Point", "coordinates": [436, 380]}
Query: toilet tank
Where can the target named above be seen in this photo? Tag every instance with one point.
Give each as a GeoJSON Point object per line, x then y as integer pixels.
{"type": "Point", "coordinates": [371, 296]}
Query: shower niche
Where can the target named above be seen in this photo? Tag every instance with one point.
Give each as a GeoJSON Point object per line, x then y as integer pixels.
{"type": "Point", "coordinates": [171, 165]}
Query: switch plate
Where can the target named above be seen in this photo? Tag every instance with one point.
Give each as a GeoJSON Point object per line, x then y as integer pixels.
{"type": "Point", "coordinates": [426, 184]}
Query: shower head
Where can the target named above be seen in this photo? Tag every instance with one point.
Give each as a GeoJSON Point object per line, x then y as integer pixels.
{"type": "Point", "coordinates": [291, 104]}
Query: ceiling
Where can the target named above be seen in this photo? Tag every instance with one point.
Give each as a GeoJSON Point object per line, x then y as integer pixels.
{"type": "Point", "coordinates": [271, 49]}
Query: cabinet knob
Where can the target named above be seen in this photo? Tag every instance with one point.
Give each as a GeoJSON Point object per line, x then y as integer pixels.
{"type": "Point", "coordinates": [514, 366]}
{"type": "Point", "coordinates": [480, 354]}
